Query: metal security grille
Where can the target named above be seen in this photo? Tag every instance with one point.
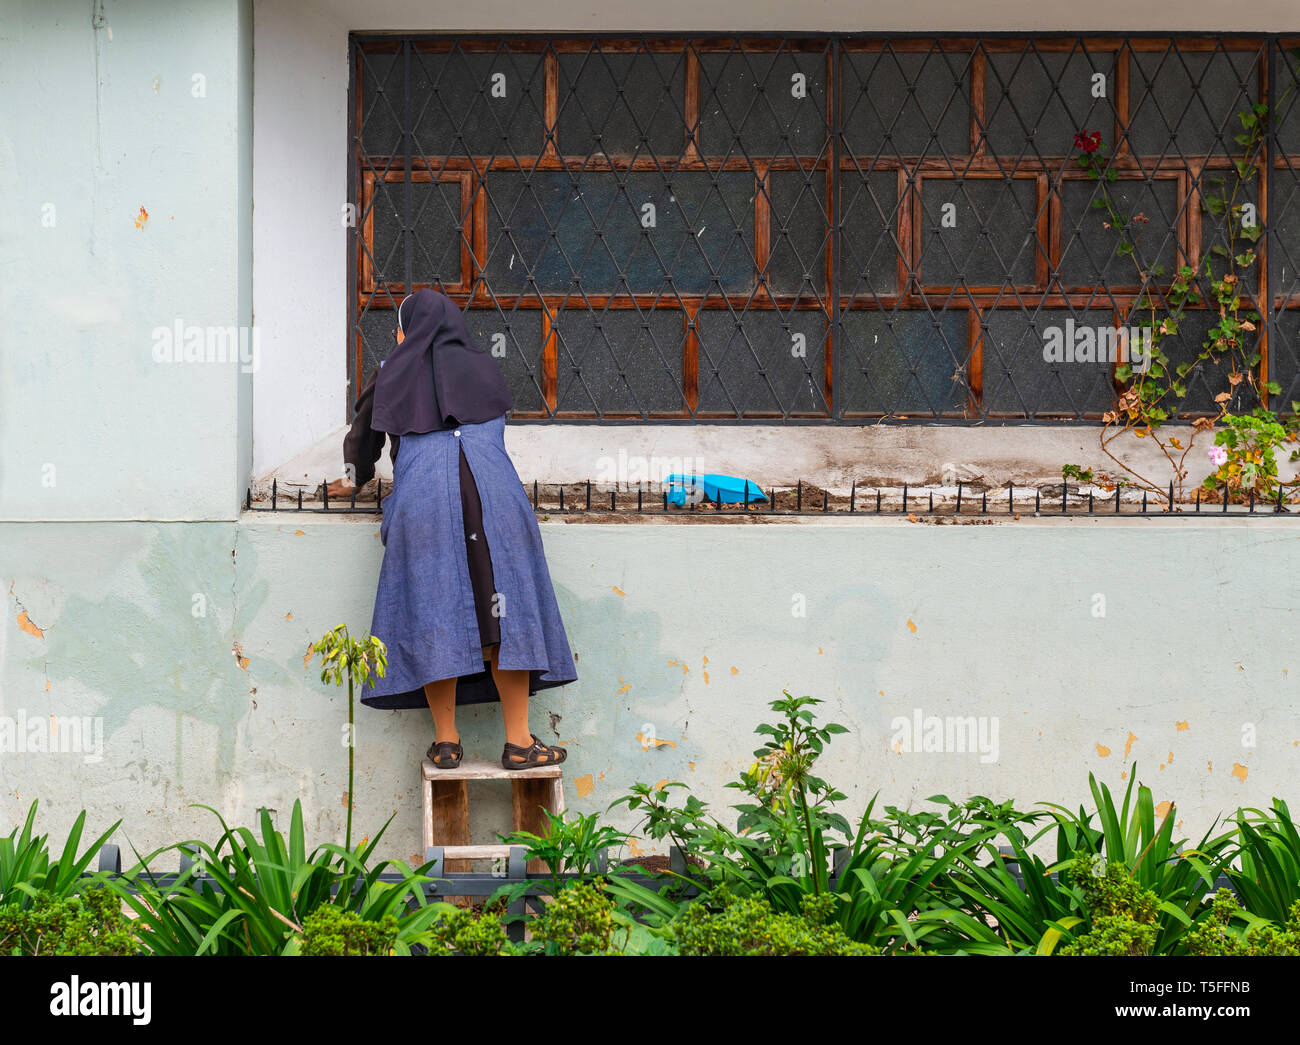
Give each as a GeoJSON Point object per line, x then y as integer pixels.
{"type": "Point", "coordinates": [829, 228]}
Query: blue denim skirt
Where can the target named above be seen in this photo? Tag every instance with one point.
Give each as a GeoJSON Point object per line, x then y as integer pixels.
{"type": "Point", "coordinates": [425, 608]}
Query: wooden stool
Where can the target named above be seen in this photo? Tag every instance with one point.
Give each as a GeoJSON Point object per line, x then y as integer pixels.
{"type": "Point", "coordinates": [446, 806]}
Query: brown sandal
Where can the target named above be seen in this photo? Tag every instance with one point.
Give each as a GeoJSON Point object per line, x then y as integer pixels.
{"type": "Point", "coordinates": [532, 754]}
{"type": "Point", "coordinates": [445, 754]}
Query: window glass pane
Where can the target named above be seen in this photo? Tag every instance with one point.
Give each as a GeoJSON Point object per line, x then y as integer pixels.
{"type": "Point", "coordinates": [979, 231]}
{"type": "Point", "coordinates": [477, 104]}
{"type": "Point", "coordinates": [868, 233]}
{"type": "Point", "coordinates": [1283, 237]}
{"type": "Point", "coordinates": [1285, 117]}
{"type": "Point", "coordinates": [375, 326]}
{"type": "Point", "coordinates": [1037, 101]}
{"type": "Point", "coordinates": [635, 103]}
{"type": "Point", "coordinates": [1223, 236]}
{"type": "Point", "coordinates": [761, 361]}
{"type": "Point", "coordinates": [754, 104]}
{"type": "Point", "coordinates": [515, 340]}
{"type": "Point", "coordinates": [1186, 101]}
{"type": "Point", "coordinates": [594, 225]}
{"type": "Point", "coordinates": [800, 231]}
{"type": "Point", "coordinates": [1092, 254]}
{"type": "Point", "coordinates": [1020, 380]}
{"type": "Point", "coordinates": [594, 346]}
{"type": "Point", "coordinates": [1284, 360]}
{"type": "Point", "coordinates": [906, 362]}
{"type": "Point", "coordinates": [900, 103]}
{"type": "Point", "coordinates": [436, 221]}
{"type": "Point", "coordinates": [1209, 378]}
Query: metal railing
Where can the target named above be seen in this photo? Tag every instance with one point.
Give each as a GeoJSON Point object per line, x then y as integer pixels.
{"type": "Point", "coordinates": [962, 501]}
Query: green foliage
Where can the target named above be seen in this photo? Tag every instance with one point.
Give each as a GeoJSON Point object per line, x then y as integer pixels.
{"type": "Point", "coordinates": [26, 867]}
{"type": "Point", "coordinates": [569, 849]}
{"type": "Point", "coordinates": [1265, 861]}
{"type": "Point", "coordinates": [790, 808]}
{"type": "Point", "coordinates": [1028, 901]}
{"type": "Point", "coordinates": [1250, 442]}
{"type": "Point", "coordinates": [1152, 394]}
{"type": "Point", "coordinates": [779, 844]}
{"type": "Point", "coordinates": [1133, 836]}
{"type": "Point", "coordinates": [577, 920]}
{"type": "Point", "coordinates": [67, 926]}
{"type": "Point", "coordinates": [727, 925]}
{"type": "Point", "coordinates": [342, 657]}
{"type": "Point", "coordinates": [332, 931]}
{"type": "Point", "coordinates": [1122, 914]}
{"type": "Point", "coordinates": [888, 891]}
{"type": "Point", "coordinates": [1217, 936]}
{"type": "Point", "coordinates": [472, 933]}
{"type": "Point", "coordinates": [967, 876]}
{"type": "Point", "coordinates": [249, 896]}
{"type": "Point", "coordinates": [899, 878]}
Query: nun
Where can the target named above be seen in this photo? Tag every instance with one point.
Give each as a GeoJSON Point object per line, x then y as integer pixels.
{"type": "Point", "coordinates": [465, 603]}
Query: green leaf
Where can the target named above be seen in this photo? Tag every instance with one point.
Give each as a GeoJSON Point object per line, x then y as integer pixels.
{"type": "Point", "coordinates": [1058, 929]}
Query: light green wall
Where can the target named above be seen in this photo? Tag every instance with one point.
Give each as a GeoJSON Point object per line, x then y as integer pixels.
{"type": "Point", "coordinates": [1199, 630]}
{"type": "Point", "coordinates": [101, 120]}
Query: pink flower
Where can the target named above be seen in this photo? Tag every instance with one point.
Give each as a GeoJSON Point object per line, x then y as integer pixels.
{"type": "Point", "coordinates": [1218, 456]}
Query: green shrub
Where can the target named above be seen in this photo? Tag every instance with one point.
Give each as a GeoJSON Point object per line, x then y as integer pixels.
{"type": "Point", "coordinates": [474, 933]}
{"type": "Point", "coordinates": [1123, 914]}
{"type": "Point", "coordinates": [580, 920]}
{"type": "Point", "coordinates": [1215, 937]}
{"type": "Point", "coordinates": [330, 930]}
{"type": "Point", "coordinates": [727, 925]}
{"type": "Point", "coordinates": [72, 926]}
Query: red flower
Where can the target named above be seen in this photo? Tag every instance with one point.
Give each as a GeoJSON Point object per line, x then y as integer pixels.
{"type": "Point", "coordinates": [1088, 141]}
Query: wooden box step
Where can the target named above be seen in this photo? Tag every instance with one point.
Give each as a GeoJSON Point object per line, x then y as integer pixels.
{"type": "Point", "coordinates": [475, 852]}
{"type": "Point", "coordinates": [483, 769]}
{"type": "Point", "coordinates": [533, 793]}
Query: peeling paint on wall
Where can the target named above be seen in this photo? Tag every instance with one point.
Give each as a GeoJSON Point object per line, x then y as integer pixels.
{"type": "Point", "coordinates": [25, 623]}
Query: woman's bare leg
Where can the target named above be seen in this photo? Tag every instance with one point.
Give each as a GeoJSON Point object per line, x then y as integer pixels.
{"type": "Point", "coordinates": [441, 696]}
{"type": "Point", "coordinates": [513, 688]}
